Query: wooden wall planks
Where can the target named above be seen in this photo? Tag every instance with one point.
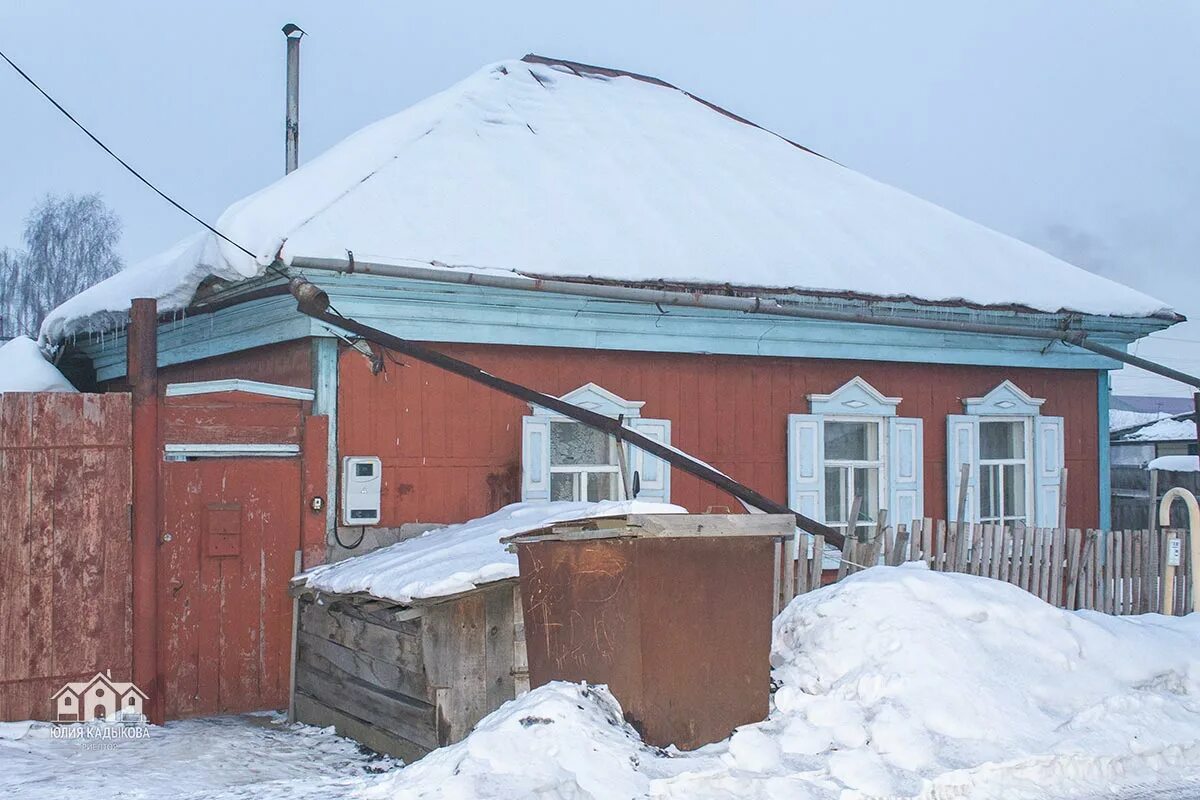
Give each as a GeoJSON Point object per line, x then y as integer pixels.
{"type": "Point", "coordinates": [450, 447]}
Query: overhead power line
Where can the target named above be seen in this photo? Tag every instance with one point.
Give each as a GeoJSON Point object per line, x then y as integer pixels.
{"type": "Point", "coordinates": [124, 163]}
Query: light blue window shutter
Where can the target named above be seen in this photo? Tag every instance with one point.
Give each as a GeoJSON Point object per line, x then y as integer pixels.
{"type": "Point", "coordinates": [806, 465]}
{"type": "Point", "coordinates": [1048, 444]}
{"type": "Point", "coordinates": [962, 447]}
{"type": "Point", "coordinates": [654, 473]}
{"type": "Point", "coordinates": [906, 474]}
{"type": "Point", "coordinates": [535, 459]}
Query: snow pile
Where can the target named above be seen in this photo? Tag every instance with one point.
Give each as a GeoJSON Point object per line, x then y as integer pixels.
{"type": "Point", "coordinates": [611, 176]}
{"type": "Point", "coordinates": [24, 368]}
{"type": "Point", "coordinates": [1175, 463]}
{"type": "Point", "coordinates": [901, 676]}
{"type": "Point", "coordinates": [897, 682]}
{"type": "Point", "coordinates": [458, 558]}
{"type": "Point", "coordinates": [1165, 430]}
{"type": "Point", "coordinates": [562, 740]}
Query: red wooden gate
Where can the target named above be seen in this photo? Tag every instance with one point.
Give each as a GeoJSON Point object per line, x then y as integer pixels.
{"type": "Point", "coordinates": [65, 609]}
{"type": "Point", "coordinates": [232, 510]}
{"type": "Point", "coordinates": [234, 526]}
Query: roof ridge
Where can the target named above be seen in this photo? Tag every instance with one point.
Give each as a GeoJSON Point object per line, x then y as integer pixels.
{"type": "Point", "coordinates": [578, 68]}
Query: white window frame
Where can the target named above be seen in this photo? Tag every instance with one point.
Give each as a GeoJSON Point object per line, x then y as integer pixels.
{"type": "Point", "coordinates": [900, 457]}
{"type": "Point", "coordinates": [1027, 461]}
{"type": "Point", "coordinates": [580, 471]}
{"type": "Point", "coordinates": [881, 464]}
{"type": "Point", "coordinates": [536, 430]}
{"type": "Point", "coordinates": [1045, 446]}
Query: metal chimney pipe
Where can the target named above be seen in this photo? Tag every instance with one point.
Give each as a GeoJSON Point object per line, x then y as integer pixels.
{"type": "Point", "coordinates": [293, 34]}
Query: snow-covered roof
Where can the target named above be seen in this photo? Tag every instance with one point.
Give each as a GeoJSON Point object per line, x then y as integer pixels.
{"type": "Point", "coordinates": [1175, 463]}
{"type": "Point", "coordinates": [1170, 429]}
{"type": "Point", "coordinates": [458, 558]}
{"type": "Point", "coordinates": [559, 169]}
{"type": "Point", "coordinates": [1120, 419]}
{"type": "Point", "coordinates": [24, 368]}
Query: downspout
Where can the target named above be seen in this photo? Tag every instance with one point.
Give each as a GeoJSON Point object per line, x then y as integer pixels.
{"type": "Point", "coordinates": [748, 305]}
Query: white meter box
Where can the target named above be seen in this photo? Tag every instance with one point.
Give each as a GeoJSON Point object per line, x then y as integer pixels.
{"type": "Point", "coordinates": [362, 480]}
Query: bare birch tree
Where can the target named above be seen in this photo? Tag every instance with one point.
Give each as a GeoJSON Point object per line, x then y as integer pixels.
{"type": "Point", "coordinates": [70, 244]}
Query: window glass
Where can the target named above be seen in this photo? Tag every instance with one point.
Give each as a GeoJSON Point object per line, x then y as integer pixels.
{"type": "Point", "coordinates": [602, 486]}
{"type": "Point", "coordinates": [562, 486]}
{"type": "Point", "coordinates": [851, 441]}
{"type": "Point", "coordinates": [572, 443]}
{"type": "Point", "coordinates": [1001, 440]}
{"type": "Point", "coordinates": [1014, 491]}
{"type": "Point", "coordinates": [989, 491]}
{"type": "Point", "coordinates": [836, 506]}
{"type": "Point", "coordinates": [866, 484]}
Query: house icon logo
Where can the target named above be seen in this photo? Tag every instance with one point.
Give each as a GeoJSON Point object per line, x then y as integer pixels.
{"type": "Point", "coordinates": [99, 698]}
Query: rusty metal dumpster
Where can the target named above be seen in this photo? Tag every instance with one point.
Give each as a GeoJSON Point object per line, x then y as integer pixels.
{"type": "Point", "coordinates": [672, 611]}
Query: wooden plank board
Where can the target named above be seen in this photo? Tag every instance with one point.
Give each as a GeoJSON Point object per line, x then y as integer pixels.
{"type": "Point", "coordinates": [817, 565]}
{"type": "Point", "coordinates": [499, 633]}
{"type": "Point", "coordinates": [1074, 554]}
{"type": "Point", "coordinates": [1017, 573]}
{"type": "Point", "coordinates": [337, 623]}
{"type": "Point", "coordinates": [406, 679]}
{"type": "Point", "coordinates": [999, 537]}
{"type": "Point", "coordinates": [1047, 550]}
{"type": "Point", "coordinates": [392, 712]}
{"type": "Point", "coordinates": [311, 711]}
{"type": "Point", "coordinates": [520, 653]}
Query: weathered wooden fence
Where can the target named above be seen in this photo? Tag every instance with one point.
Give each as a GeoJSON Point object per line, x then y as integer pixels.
{"type": "Point", "coordinates": [1115, 572]}
{"type": "Point", "coordinates": [64, 545]}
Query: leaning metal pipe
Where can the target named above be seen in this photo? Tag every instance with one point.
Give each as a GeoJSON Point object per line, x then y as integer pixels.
{"type": "Point", "coordinates": [749, 305]}
{"type": "Point", "coordinates": [314, 302]}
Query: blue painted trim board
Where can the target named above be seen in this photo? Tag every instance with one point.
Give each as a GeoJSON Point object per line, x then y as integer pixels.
{"type": "Point", "coordinates": [444, 313]}
{"type": "Point", "coordinates": [1103, 392]}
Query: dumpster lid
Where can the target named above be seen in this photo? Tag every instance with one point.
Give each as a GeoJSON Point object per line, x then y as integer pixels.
{"type": "Point", "coordinates": [676, 526]}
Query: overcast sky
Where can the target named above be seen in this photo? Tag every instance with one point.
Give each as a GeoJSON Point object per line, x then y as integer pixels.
{"type": "Point", "coordinates": [1071, 124]}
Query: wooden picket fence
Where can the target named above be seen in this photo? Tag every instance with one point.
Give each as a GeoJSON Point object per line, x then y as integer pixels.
{"type": "Point", "coordinates": [1115, 572]}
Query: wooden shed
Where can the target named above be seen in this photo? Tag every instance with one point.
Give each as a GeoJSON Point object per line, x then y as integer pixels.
{"type": "Point", "coordinates": [405, 679]}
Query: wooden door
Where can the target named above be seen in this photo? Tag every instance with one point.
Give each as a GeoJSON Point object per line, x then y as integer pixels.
{"type": "Point", "coordinates": [225, 613]}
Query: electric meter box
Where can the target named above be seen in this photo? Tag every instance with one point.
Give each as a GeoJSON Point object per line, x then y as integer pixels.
{"type": "Point", "coordinates": [362, 479]}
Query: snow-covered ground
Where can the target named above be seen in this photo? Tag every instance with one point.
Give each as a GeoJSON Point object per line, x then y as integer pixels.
{"type": "Point", "coordinates": [897, 682]}
{"type": "Point", "coordinates": [252, 756]}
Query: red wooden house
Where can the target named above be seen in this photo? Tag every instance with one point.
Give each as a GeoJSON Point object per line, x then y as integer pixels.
{"type": "Point", "coordinates": [270, 423]}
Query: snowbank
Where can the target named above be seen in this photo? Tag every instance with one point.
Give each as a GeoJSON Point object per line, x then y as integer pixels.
{"type": "Point", "coordinates": [614, 177]}
{"type": "Point", "coordinates": [23, 368]}
{"type": "Point", "coordinates": [896, 682]}
{"type": "Point", "coordinates": [1175, 463]}
{"type": "Point", "coordinates": [458, 558]}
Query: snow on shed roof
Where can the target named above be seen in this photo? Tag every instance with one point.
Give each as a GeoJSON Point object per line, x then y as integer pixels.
{"type": "Point", "coordinates": [24, 368]}
{"type": "Point", "coordinates": [458, 558]}
{"type": "Point", "coordinates": [1175, 463]}
{"type": "Point", "coordinates": [559, 169]}
{"type": "Point", "coordinates": [1170, 429]}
